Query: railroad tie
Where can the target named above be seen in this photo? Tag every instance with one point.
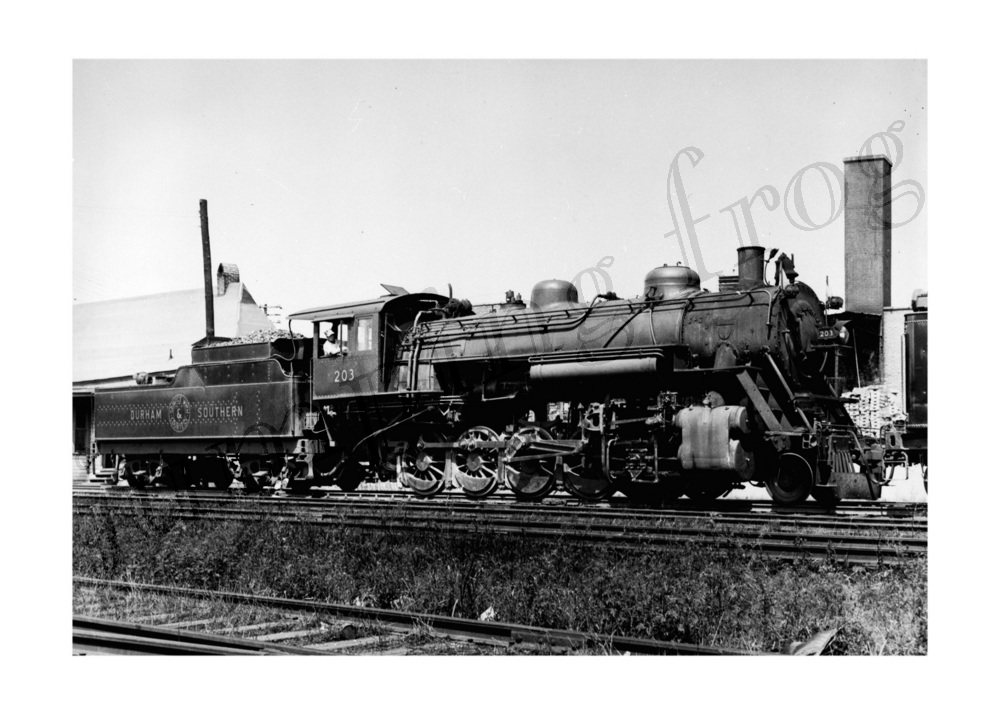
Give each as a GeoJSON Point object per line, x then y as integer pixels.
{"type": "Point", "coordinates": [290, 635]}
{"type": "Point", "coordinates": [398, 652]}
{"type": "Point", "coordinates": [352, 644]}
{"type": "Point", "coordinates": [190, 624]}
{"type": "Point", "coordinates": [150, 619]}
{"type": "Point", "coordinates": [250, 628]}
{"type": "Point", "coordinates": [340, 631]}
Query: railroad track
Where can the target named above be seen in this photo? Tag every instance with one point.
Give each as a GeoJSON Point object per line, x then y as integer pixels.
{"type": "Point", "coordinates": [868, 540]}
{"type": "Point", "coordinates": [195, 500]}
{"type": "Point", "coordinates": [100, 636]}
{"type": "Point", "coordinates": [108, 636]}
{"type": "Point", "coordinates": [845, 508]}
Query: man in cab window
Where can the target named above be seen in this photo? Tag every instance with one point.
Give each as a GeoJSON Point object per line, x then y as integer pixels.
{"type": "Point", "coordinates": [333, 347]}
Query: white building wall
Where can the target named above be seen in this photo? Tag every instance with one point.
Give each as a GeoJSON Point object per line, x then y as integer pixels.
{"type": "Point", "coordinates": [892, 351]}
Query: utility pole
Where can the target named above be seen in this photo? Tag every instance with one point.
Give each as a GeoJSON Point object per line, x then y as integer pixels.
{"type": "Point", "coordinates": [206, 252]}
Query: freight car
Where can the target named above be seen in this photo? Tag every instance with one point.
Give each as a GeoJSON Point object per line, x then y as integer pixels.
{"type": "Point", "coordinates": [906, 440]}
{"type": "Point", "coordinates": [676, 391]}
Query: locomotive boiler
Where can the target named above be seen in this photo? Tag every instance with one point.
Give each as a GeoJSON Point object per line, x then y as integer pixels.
{"type": "Point", "coordinates": [677, 391]}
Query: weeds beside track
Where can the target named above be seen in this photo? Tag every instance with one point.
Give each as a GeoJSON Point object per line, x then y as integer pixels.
{"type": "Point", "coordinates": [498, 634]}
{"type": "Point", "coordinates": [699, 593]}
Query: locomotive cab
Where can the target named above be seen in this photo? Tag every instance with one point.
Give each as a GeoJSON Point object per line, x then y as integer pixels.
{"type": "Point", "coordinates": [354, 345]}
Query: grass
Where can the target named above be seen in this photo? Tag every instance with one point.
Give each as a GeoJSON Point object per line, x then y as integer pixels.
{"type": "Point", "coordinates": [732, 597]}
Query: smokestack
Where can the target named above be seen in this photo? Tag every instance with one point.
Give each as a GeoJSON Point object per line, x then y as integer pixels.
{"type": "Point", "coordinates": [206, 252]}
{"type": "Point", "coordinates": [867, 234]}
{"type": "Point", "coordinates": [750, 261]}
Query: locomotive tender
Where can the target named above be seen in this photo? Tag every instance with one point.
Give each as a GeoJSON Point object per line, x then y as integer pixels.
{"type": "Point", "coordinates": [679, 391]}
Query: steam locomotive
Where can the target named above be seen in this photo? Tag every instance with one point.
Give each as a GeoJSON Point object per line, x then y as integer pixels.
{"type": "Point", "coordinates": [678, 391]}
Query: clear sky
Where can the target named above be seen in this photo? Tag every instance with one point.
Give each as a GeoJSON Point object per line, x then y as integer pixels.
{"type": "Point", "coordinates": [326, 178]}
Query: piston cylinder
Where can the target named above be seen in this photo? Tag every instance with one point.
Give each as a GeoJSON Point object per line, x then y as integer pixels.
{"type": "Point", "coordinates": [706, 439]}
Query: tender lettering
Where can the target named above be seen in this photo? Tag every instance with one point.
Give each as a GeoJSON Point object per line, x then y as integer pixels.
{"type": "Point", "coordinates": [145, 413]}
{"type": "Point", "coordinates": [217, 411]}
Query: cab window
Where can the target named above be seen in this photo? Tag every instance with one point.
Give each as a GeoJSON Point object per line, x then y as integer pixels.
{"type": "Point", "coordinates": [365, 341]}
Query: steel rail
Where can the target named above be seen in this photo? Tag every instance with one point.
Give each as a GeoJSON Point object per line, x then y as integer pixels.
{"type": "Point", "coordinates": [828, 520]}
{"type": "Point", "coordinates": [428, 505]}
{"type": "Point", "coordinates": [638, 522]}
{"type": "Point", "coordinates": [850, 548]}
{"type": "Point", "coordinates": [895, 509]}
{"type": "Point", "coordinates": [100, 635]}
{"type": "Point", "coordinates": [500, 633]}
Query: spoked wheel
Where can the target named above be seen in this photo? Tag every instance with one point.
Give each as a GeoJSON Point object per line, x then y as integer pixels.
{"type": "Point", "coordinates": [793, 481]}
{"type": "Point", "coordinates": [584, 477]}
{"type": "Point", "coordinates": [476, 468]}
{"type": "Point", "coordinates": [423, 470]}
{"type": "Point", "coordinates": [532, 479]}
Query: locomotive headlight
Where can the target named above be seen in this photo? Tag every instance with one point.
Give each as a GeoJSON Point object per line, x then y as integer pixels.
{"type": "Point", "coordinates": [844, 335]}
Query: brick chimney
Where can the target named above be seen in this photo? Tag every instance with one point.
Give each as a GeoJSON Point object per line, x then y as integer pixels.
{"type": "Point", "coordinates": [867, 234]}
{"type": "Point", "coordinates": [227, 274]}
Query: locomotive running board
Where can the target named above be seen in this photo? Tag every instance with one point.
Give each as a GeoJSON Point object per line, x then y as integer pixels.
{"type": "Point", "coordinates": [599, 355]}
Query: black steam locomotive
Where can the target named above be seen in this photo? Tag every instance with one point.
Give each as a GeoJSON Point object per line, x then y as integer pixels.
{"type": "Point", "coordinates": [679, 391]}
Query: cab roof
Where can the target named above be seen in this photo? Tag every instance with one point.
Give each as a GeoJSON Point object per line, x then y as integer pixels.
{"type": "Point", "coordinates": [367, 307]}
